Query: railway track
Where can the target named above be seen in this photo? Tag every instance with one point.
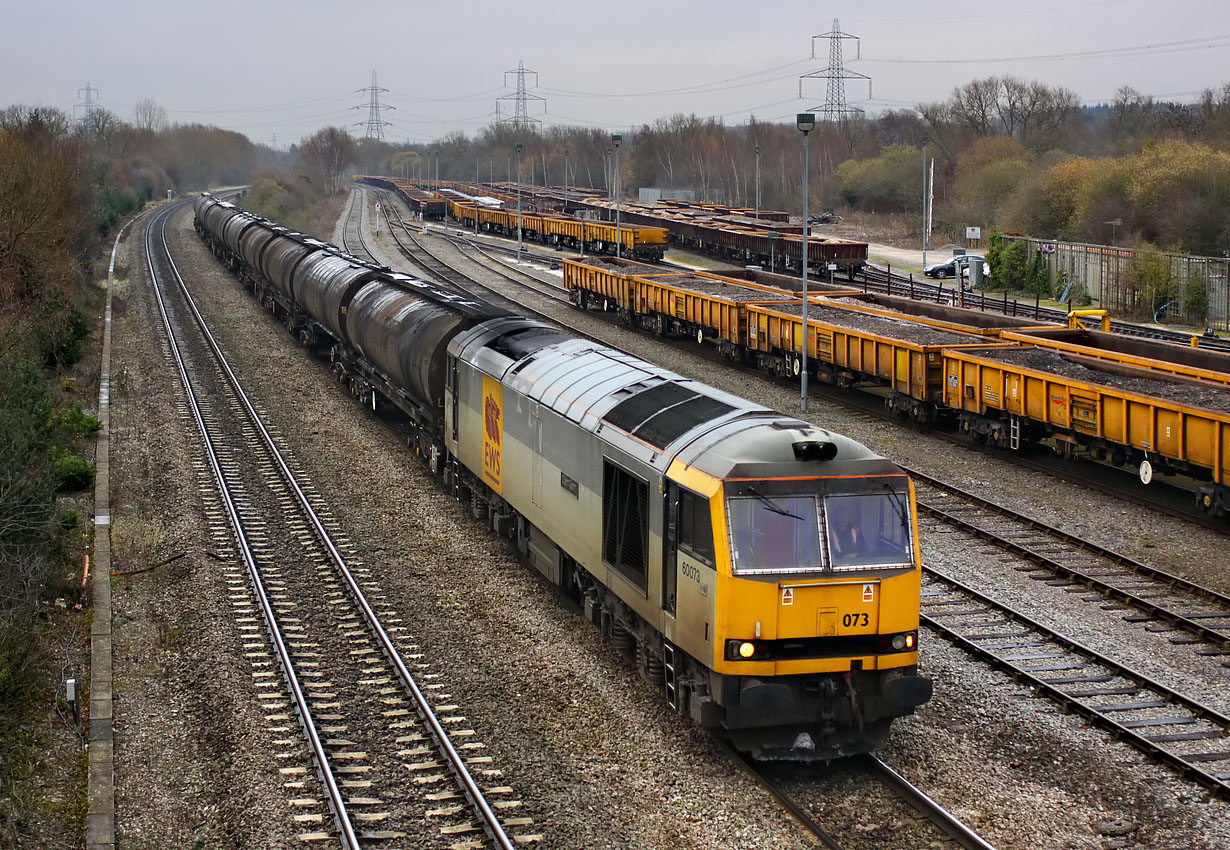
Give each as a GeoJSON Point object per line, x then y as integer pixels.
{"type": "Point", "coordinates": [1169, 604]}
{"type": "Point", "coordinates": [891, 798]}
{"type": "Point", "coordinates": [353, 240]}
{"type": "Point", "coordinates": [410, 246]}
{"type": "Point", "coordinates": [384, 756]}
{"type": "Point", "coordinates": [1130, 706]}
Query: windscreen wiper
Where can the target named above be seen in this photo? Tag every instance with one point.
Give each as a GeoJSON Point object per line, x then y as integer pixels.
{"type": "Point", "coordinates": [899, 504]}
{"type": "Point", "coordinates": [771, 505]}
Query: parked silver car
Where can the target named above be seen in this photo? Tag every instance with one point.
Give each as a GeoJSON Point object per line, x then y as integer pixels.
{"type": "Point", "coordinates": [949, 267]}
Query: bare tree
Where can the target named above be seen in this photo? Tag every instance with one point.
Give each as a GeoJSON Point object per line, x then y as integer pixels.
{"type": "Point", "coordinates": [976, 105]}
{"type": "Point", "coordinates": [328, 152]}
{"type": "Point", "coordinates": [1130, 113]}
{"type": "Point", "coordinates": [148, 116]}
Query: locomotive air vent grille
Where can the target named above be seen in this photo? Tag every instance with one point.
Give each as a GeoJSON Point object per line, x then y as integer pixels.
{"type": "Point", "coordinates": [662, 414]}
{"type": "Point", "coordinates": [674, 422]}
{"type": "Point", "coordinates": [635, 409]}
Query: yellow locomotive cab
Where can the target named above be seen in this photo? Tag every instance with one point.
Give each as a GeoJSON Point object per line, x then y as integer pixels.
{"type": "Point", "coordinates": [816, 579]}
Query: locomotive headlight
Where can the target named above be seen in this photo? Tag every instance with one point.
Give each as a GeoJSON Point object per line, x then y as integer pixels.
{"type": "Point", "coordinates": [903, 642]}
{"type": "Point", "coordinates": [747, 649]}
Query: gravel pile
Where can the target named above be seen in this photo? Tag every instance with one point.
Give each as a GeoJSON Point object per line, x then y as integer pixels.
{"type": "Point", "coordinates": [1052, 362]}
{"type": "Point", "coordinates": [894, 329]}
{"type": "Point", "coordinates": [729, 291]}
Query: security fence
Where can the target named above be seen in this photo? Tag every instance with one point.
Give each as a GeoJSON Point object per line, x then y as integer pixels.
{"type": "Point", "coordinates": [1105, 272]}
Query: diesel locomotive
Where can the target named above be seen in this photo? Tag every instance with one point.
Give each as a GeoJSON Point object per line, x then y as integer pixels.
{"type": "Point", "coordinates": [763, 572]}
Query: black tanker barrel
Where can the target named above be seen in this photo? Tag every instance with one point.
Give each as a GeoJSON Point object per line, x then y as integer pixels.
{"type": "Point", "coordinates": [281, 258]}
{"type": "Point", "coordinates": [234, 228]}
{"type": "Point", "coordinates": [202, 203]}
{"type": "Point", "coordinates": [406, 336]}
{"type": "Point", "coordinates": [252, 242]}
{"type": "Point", "coordinates": [217, 216]}
{"type": "Point", "coordinates": [325, 286]}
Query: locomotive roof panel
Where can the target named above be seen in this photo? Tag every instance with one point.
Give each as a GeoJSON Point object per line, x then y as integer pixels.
{"type": "Point", "coordinates": [593, 385]}
{"type": "Point", "coordinates": [560, 375]}
{"type": "Point", "coordinates": [762, 445]}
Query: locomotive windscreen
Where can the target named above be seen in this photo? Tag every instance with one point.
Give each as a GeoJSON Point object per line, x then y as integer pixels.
{"type": "Point", "coordinates": [818, 533]}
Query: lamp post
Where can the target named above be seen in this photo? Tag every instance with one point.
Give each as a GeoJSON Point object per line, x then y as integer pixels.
{"type": "Point", "coordinates": [757, 181]}
{"type": "Point", "coordinates": [437, 171]}
{"type": "Point", "coordinates": [616, 138]}
{"type": "Point", "coordinates": [518, 149]}
{"type": "Point", "coordinates": [806, 122]}
{"type": "Point", "coordinates": [925, 139]}
{"type": "Point", "coordinates": [772, 234]}
{"type": "Point", "coordinates": [565, 180]}
{"type": "Point", "coordinates": [430, 182]}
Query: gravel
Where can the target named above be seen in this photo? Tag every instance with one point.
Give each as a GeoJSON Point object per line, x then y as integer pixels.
{"type": "Point", "coordinates": [195, 760]}
{"type": "Point", "coordinates": [889, 328]}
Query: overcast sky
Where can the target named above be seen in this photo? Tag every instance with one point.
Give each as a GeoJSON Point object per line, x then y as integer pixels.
{"type": "Point", "coordinates": [267, 67]}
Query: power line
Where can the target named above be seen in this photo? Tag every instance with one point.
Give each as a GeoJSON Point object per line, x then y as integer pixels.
{"type": "Point", "coordinates": [698, 88]}
{"type": "Point", "coordinates": [1184, 46]}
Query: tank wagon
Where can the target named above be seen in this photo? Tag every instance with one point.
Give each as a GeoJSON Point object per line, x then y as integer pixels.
{"type": "Point", "coordinates": [1162, 408]}
{"type": "Point", "coordinates": [764, 572]}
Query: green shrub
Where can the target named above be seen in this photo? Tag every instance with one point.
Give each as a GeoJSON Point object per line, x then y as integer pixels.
{"type": "Point", "coordinates": [1009, 265]}
{"type": "Point", "coordinates": [70, 520]}
{"type": "Point", "coordinates": [1151, 281]}
{"type": "Point", "coordinates": [78, 421]}
{"type": "Point", "coordinates": [1038, 278]}
{"type": "Point", "coordinates": [74, 472]}
{"type": "Point", "coordinates": [1195, 300]}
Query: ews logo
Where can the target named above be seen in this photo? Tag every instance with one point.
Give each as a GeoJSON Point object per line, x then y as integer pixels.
{"type": "Point", "coordinates": [493, 432]}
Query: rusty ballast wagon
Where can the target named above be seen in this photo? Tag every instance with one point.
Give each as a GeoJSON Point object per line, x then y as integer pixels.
{"type": "Point", "coordinates": [849, 348]}
{"type": "Point", "coordinates": [1012, 395]}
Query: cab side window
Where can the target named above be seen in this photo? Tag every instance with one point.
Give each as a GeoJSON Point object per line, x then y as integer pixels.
{"type": "Point", "coordinates": [696, 527]}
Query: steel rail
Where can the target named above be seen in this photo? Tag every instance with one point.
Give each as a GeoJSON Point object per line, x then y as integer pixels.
{"type": "Point", "coordinates": [352, 206]}
{"type": "Point", "coordinates": [456, 761]}
{"type": "Point", "coordinates": [1068, 702]}
{"type": "Point", "coordinates": [337, 802]}
{"type": "Point", "coordinates": [1105, 588]}
{"type": "Point", "coordinates": [785, 800]}
{"type": "Point", "coordinates": [933, 811]}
